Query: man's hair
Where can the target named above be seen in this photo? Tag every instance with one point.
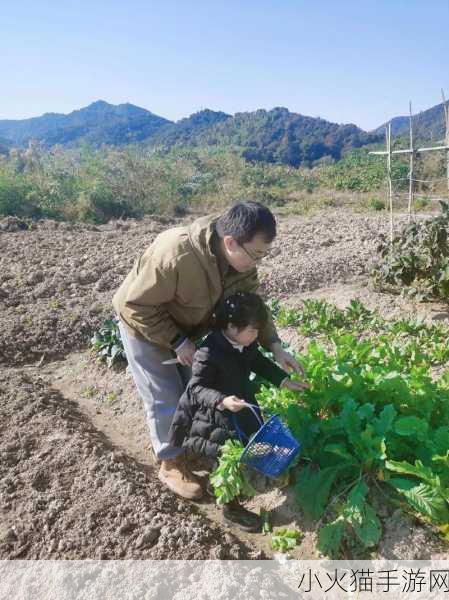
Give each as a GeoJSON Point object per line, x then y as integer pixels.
{"type": "Point", "coordinates": [241, 309]}
{"type": "Point", "coordinates": [245, 219]}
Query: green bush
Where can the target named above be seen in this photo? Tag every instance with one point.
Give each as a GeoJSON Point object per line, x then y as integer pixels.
{"type": "Point", "coordinates": [377, 204]}
{"type": "Point", "coordinates": [97, 185]}
{"type": "Point", "coordinates": [421, 203]}
{"type": "Point", "coordinates": [358, 171]}
{"type": "Point", "coordinates": [17, 197]}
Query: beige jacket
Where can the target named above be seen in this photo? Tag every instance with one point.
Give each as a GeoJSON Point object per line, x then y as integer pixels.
{"type": "Point", "coordinates": [174, 286]}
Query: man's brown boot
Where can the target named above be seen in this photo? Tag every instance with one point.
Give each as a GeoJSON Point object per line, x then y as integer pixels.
{"type": "Point", "coordinates": [177, 477]}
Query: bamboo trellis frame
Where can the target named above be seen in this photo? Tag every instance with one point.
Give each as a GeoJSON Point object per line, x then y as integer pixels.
{"type": "Point", "coordinates": [412, 152]}
{"type": "Point", "coordinates": [412, 156]}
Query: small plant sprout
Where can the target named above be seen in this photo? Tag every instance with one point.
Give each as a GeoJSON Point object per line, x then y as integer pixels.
{"type": "Point", "coordinates": [106, 343]}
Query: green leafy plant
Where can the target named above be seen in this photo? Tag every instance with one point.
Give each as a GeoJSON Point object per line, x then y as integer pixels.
{"type": "Point", "coordinates": [106, 343]}
{"type": "Point", "coordinates": [356, 518]}
{"type": "Point", "coordinates": [228, 480]}
{"type": "Point", "coordinates": [417, 260]}
{"type": "Point", "coordinates": [284, 539]}
{"type": "Point", "coordinates": [373, 417]}
{"type": "Point", "coordinates": [317, 317]}
{"type": "Point", "coordinates": [427, 492]}
{"type": "Point", "coordinates": [413, 339]}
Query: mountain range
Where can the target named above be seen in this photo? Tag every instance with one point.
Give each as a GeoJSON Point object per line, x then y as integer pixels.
{"type": "Point", "coordinates": [276, 135]}
{"type": "Point", "coordinates": [428, 125]}
{"type": "Point", "coordinates": [98, 123]}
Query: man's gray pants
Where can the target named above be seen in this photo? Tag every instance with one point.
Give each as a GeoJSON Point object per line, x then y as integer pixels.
{"type": "Point", "coordinates": [160, 387]}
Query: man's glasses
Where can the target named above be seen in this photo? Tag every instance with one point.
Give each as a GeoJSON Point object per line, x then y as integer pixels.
{"type": "Point", "coordinates": [253, 256]}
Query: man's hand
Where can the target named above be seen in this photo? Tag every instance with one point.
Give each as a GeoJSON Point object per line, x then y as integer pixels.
{"type": "Point", "coordinates": [286, 360]}
{"type": "Point", "coordinates": [185, 353]}
{"type": "Point", "coordinates": [233, 403]}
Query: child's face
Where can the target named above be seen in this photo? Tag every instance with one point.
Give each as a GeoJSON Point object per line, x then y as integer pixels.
{"type": "Point", "coordinates": [245, 336]}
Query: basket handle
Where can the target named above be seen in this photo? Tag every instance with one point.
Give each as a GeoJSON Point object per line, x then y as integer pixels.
{"type": "Point", "coordinates": [254, 411]}
{"type": "Point", "coordinates": [237, 428]}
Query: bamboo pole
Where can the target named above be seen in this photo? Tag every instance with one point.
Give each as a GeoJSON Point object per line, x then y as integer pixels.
{"type": "Point", "coordinates": [412, 155]}
{"type": "Point", "coordinates": [390, 185]}
{"type": "Point", "coordinates": [407, 150]}
{"type": "Point", "coordinates": [446, 114]}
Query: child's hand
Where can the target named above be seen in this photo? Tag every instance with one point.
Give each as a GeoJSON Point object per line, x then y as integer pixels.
{"type": "Point", "coordinates": [233, 403]}
{"type": "Point", "coordinates": [295, 386]}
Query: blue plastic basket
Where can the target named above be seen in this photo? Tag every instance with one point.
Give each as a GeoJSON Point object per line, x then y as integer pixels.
{"type": "Point", "coordinates": [270, 450]}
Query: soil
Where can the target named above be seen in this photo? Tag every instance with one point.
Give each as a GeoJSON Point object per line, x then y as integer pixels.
{"type": "Point", "coordinates": [77, 475]}
{"type": "Point", "coordinates": [68, 491]}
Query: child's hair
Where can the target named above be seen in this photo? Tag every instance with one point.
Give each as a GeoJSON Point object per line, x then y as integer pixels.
{"type": "Point", "coordinates": [241, 309]}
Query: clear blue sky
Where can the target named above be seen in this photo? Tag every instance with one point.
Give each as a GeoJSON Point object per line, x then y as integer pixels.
{"type": "Point", "coordinates": [345, 61]}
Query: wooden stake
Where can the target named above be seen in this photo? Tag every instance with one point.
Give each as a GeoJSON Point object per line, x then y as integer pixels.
{"type": "Point", "coordinates": [390, 185]}
{"type": "Point", "coordinates": [410, 187]}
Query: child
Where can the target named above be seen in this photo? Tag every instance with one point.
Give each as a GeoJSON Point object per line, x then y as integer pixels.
{"type": "Point", "coordinates": [219, 387]}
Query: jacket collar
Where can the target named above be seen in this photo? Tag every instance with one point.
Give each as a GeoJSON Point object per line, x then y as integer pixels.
{"type": "Point", "coordinates": [201, 233]}
{"type": "Point", "coordinates": [226, 345]}
{"type": "Point", "coordinates": [223, 265]}
{"type": "Point", "coordinates": [235, 345]}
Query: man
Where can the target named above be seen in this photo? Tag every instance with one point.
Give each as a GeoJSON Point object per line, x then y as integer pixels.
{"type": "Point", "coordinates": [166, 303]}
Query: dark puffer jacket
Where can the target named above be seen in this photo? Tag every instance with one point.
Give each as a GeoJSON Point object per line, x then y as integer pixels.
{"type": "Point", "coordinates": [219, 370]}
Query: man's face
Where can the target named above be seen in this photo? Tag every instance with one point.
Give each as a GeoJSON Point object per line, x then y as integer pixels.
{"type": "Point", "coordinates": [245, 256]}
